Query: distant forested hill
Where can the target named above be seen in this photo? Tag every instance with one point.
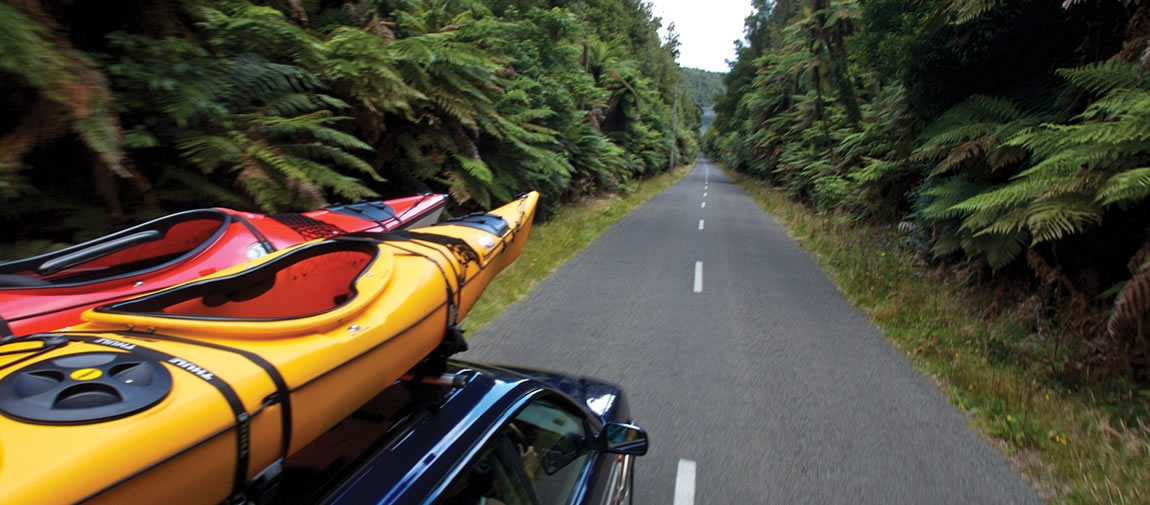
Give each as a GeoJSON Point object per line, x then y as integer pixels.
{"type": "Point", "coordinates": [702, 85]}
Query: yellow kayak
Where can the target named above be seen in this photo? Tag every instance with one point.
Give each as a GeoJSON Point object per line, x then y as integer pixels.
{"type": "Point", "coordinates": [196, 393]}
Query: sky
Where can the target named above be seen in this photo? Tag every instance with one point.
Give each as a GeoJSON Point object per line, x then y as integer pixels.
{"type": "Point", "coordinates": [707, 29]}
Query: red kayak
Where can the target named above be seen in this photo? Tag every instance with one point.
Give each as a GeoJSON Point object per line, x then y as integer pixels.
{"type": "Point", "coordinates": [50, 291]}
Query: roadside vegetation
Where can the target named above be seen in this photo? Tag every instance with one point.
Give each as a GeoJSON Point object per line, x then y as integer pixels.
{"type": "Point", "coordinates": [120, 112]}
{"type": "Point", "coordinates": [978, 185]}
{"type": "Point", "coordinates": [1079, 444]}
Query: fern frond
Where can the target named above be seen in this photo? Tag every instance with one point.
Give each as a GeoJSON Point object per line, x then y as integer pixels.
{"type": "Point", "coordinates": [988, 109]}
{"type": "Point", "coordinates": [270, 157]}
{"type": "Point", "coordinates": [291, 104]}
{"type": "Point", "coordinates": [961, 154]}
{"type": "Point", "coordinates": [1067, 162]}
{"type": "Point", "coordinates": [29, 55]}
{"type": "Point", "coordinates": [475, 168]}
{"type": "Point", "coordinates": [1132, 130]}
{"type": "Point", "coordinates": [1000, 221]}
{"type": "Point", "coordinates": [947, 239]}
{"type": "Point", "coordinates": [337, 157]}
{"type": "Point", "coordinates": [209, 152]}
{"type": "Point", "coordinates": [1124, 104]}
{"type": "Point", "coordinates": [1103, 77]}
{"type": "Point", "coordinates": [1006, 156]}
{"type": "Point", "coordinates": [1133, 300]}
{"type": "Point", "coordinates": [1054, 218]}
{"type": "Point", "coordinates": [100, 130]}
{"type": "Point", "coordinates": [876, 170]}
{"type": "Point", "coordinates": [966, 11]}
{"type": "Point", "coordinates": [1001, 250]}
{"type": "Point", "coordinates": [1004, 197]}
{"type": "Point", "coordinates": [240, 27]}
{"type": "Point", "coordinates": [322, 176]}
{"type": "Point", "coordinates": [258, 184]}
{"type": "Point", "coordinates": [413, 49]}
{"type": "Point", "coordinates": [1127, 187]}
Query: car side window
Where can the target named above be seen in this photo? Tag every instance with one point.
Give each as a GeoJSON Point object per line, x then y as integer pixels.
{"type": "Point", "coordinates": [540, 454]}
{"type": "Point", "coordinates": [494, 478]}
{"type": "Point", "coordinates": [552, 447]}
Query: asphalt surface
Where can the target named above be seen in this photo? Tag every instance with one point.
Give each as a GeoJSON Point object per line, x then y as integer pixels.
{"type": "Point", "coordinates": [777, 388]}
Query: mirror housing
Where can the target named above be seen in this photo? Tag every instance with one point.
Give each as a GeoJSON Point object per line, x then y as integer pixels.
{"type": "Point", "coordinates": [623, 438]}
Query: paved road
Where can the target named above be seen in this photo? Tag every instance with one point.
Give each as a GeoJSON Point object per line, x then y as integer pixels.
{"type": "Point", "coordinates": [767, 379]}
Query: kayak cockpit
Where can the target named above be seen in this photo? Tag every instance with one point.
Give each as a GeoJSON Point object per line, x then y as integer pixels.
{"type": "Point", "coordinates": [302, 282]}
{"type": "Point", "coordinates": [134, 251]}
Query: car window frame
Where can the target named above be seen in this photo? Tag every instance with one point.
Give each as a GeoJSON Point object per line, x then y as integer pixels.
{"type": "Point", "coordinates": [572, 408]}
{"type": "Point", "coordinates": [504, 451]}
{"type": "Point", "coordinates": [494, 431]}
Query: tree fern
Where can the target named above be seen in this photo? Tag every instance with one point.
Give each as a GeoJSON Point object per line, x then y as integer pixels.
{"type": "Point", "coordinates": [1100, 159]}
{"type": "Point", "coordinates": [1067, 214]}
{"type": "Point", "coordinates": [66, 78]}
{"type": "Point", "coordinates": [264, 123]}
{"type": "Point", "coordinates": [365, 66]}
{"type": "Point", "coordinates": [1128, 317]}
{"type": "Point", "coordinates": [239, 27]}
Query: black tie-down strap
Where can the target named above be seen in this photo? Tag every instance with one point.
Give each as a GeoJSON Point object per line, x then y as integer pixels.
{"type": "Point", "coordinates": [462, 251]}
{"type": "Point", "coordinates": [242, 417]}
{"type": "Point", "coordinates": [282, 396]}
{"type": "Point", "coordinates": [453, 341]}
{"type": "Point", "coordinates": [435, 364]}
{"type": "Point", "coordinates": [263, 487]}
{"type": "Point", "coordinates": [459, 247]}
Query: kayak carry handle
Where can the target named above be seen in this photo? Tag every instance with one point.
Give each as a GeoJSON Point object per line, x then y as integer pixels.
{"type": "Point", "coordinates": [97, 251]}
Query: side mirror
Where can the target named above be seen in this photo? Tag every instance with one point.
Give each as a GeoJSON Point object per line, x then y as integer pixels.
{"type": "Point", "coordinates": [622, 438]}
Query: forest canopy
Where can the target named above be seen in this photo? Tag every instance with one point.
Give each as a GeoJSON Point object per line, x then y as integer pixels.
{"type": "Point", "coordinates": [124, 111]}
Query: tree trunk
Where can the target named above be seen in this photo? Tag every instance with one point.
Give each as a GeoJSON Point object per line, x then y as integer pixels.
{"type": "Point", "coordinates": [837, 62]}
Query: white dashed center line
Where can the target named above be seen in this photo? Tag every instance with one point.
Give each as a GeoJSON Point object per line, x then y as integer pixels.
{"type": "Point", "coordinates": [703, 206]}
{"type": "Point", "coordinates": [698, 289]}
{"type": "Point", "coordinates": [700, 224]}
{"type": "Point", "coordinates": [685, 483]}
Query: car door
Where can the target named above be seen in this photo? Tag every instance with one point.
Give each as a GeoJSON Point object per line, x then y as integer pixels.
{"type": "Point", "coordinates": [541, 455]}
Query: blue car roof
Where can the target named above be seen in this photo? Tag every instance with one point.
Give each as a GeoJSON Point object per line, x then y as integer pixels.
{"type": "Point", "coordinates": [438, 427]}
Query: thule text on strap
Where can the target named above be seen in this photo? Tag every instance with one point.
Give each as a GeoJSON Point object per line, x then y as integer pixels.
{"type": "Point", "coordinates": [200, 372]}
{"type": "Point", "coordinates": [115, 343]}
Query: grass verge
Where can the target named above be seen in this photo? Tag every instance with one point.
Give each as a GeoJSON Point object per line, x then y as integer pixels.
{"type": "Point", "coordinates": [553, 243]}
{"type": "Point", "coordinates": [1073, 446]}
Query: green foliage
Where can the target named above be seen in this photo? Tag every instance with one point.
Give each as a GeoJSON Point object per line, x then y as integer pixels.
{"type": "Point", "coordinates": [72, 93]}
{"type": "Point", "coordinates": [262, 127]}
{"type": "Point", "coordinates": [1015, 165]}
{"type": "Point", "coordinates": [289, 105]}
{"type": "Point", "coordinates": [29, 55]}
